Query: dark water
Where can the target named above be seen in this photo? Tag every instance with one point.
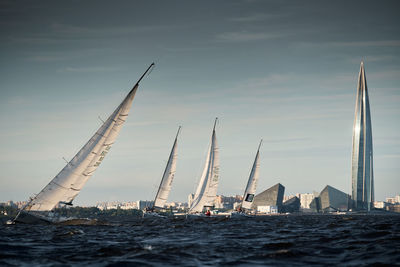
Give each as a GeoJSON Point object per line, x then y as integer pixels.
{"type": "Point", "coordinates": [275, 240]}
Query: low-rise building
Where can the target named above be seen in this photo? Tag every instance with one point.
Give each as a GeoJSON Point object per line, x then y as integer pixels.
{"type": "Point", "coordinates": [267, 209]}
{"type": "Point", "coordinates": [142, 204]}
{"type": "Point", "coordinates": [305, 200]}
{"type": "Point", "coordinates": [391, 200]}
{"type": "Point", "coordinates": [379, 204]}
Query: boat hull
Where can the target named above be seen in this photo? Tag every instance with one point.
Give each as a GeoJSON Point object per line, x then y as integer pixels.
{"type": "Point", "coordinates": [28, 218]}
{"type": "Point", "coordinates": [241, 215]}
{"type": "Point", "coordinates": [153, 215]}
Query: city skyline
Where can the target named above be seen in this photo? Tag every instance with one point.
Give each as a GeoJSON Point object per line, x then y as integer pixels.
{"type": "Point", "coordinates": [284, 72]}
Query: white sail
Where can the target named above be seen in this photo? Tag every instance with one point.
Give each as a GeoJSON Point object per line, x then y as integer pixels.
{"type": "Point", "coordinates": [169, 173]}
{"type": "Point", "coordinates": [251, 187]}
{"type": "Point", "coordinates": [206, 191]}
{"type": "Point", "coordinates": [71, 179]}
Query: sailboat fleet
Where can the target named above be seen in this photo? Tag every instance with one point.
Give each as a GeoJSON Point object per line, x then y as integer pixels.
{"type": "Point", "coordinates": [67, 184]}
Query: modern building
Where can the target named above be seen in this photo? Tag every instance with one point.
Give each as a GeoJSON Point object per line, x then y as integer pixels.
{"type": "Point", "coordinates": [291, 205]}
{"type": "Point", "coordinates": [315, 205]}
{"type": "Point", "coordinates": [333, 199]}
{"type": "Point", "coordinates": [330, 200]}
{"type": "Point", "coordinates": [362, 174]}
{"type": "Point", "coordinates": [273, 196]}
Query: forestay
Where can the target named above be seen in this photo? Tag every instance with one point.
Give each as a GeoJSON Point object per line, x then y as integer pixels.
{"type": "Point", "coordinates": [71, 179]}
{"type": "Point", "coordinates": [206, 191]}
{"type": "Point", "coordinates": [250, 191]}
{"type": "Point", "coordinates": [168, 176]}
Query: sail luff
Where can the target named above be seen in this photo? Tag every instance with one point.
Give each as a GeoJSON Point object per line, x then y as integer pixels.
{"type": "Point", "coordinates": [251, 187]}
{"type": "Point", "coordinates": [212, 185]}
{"type": "Point", "coordinates": [168, 176]}
{"type": "Point", "coordinates": [69, 181]}
{"type": "Point", "coordinates": [208, 184]}
{"type": "Point", "coordinates": [198, 196]}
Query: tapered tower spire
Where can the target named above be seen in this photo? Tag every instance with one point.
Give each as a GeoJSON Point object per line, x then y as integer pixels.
{"type": "Point", "coordinates": [362, 174]}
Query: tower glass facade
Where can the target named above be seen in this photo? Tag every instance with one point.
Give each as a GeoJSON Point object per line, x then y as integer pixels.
{"type": "Point", "coordinates": [362, 174]}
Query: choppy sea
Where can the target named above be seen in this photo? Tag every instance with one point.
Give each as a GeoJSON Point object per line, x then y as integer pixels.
{"type": "Point", "coordinates": [289, 240]}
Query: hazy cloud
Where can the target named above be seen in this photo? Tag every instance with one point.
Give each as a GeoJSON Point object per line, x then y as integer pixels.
{"type": "Point", "coordinates": [245, 36]}
{"type": "Point", "coordinates": [88, 69]}
{"type": "Point", "coordinates": [368, 43]}
{"type": "Point", "coordinates": [254, 17]}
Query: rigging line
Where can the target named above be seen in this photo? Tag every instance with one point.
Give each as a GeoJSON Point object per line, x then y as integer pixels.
{"type": "Point", "coordinates": [151, 70]}
{"type": "Point", "coordinates": [65, 160]}
{"type": "Point", "coordinates": [101, 119]}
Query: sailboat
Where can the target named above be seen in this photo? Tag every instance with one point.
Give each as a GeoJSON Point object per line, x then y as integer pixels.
{"type": "Point", "coordinates": [166, 181]}
{"type": "Point", "coordinates": [67, 184]}
{"type": "Point", "coordinates": [251, 187]}
{"type": "Point", "coordinates": [206, 191]}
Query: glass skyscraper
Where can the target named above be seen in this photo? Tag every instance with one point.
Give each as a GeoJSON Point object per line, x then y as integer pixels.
{"type": "Point", "coordinates": [362, 174]}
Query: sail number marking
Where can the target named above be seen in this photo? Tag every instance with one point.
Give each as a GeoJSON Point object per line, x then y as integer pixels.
{"type": "Point", "coordinates": [102, 155]}
{"type": "Point", "coordinates": [216, 174]}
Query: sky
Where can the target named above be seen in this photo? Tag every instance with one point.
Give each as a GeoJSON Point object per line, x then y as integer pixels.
{"type": "Point", "coordinates": [283, 71]}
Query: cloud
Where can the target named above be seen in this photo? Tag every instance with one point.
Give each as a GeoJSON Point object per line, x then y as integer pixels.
{"type": "Point", "coordinates": [245, 36]}
{"type": "Point", "coordinates": [36, 40]}
{"type": "Point", "coordinates": [356, 60]}
{"type": "Point", "coordinates": [286, 140]}
{"type": "Point", "coordinates": [88, 69]}
{"type": "Point", "coordinates": [71, 30]}
{"type": "Point", "coordinates": [254, 18]}
{"type": "Point", "coordinates": [56, 33]}
{"type": "Point", "coordinates": [368, 43]}
{"type": "Point", "coordinates": [46, 58]}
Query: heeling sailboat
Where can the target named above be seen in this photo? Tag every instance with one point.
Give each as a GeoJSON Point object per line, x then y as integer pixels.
{"type": "Point", "coordinates": [167, 178]}
{"type": "Point", "coordinates": [206, 191]}
{"type": "Point", "coordinates": [251, 187]}
{"type": "Point", "coordinates": [67, 184]}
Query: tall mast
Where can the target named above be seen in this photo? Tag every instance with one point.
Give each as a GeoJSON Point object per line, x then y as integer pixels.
{"type": "Point", "coordinates": [215, 123]}
{"type": "Point", "coordinates": [151, 65]}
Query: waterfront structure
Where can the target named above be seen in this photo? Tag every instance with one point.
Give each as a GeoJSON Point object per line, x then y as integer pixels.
{"type": "Point", "coordinates": [273, 196]}
{"type": "Point", "coordinates": [315, 205]}
{"type": "Point", "coordinates": [332, 199]}
{"type": "Point", "coordinates": [291, 205]}
{"type": "Point", "coordinates": [362, 174]}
